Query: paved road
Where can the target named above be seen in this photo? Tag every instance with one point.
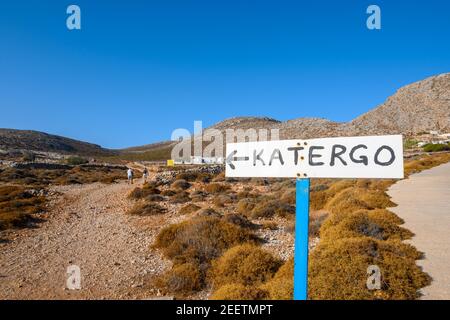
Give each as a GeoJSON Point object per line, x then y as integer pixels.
{"type": "Point", "coordinates": [424, 203]}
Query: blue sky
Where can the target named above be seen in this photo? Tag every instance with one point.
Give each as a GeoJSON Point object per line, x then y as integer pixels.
{"type": "Point", "coordinates": [139, 69]}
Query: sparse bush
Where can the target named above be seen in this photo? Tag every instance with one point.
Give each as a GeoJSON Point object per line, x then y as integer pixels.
{"type": "Point", "coordinates": [343, 264]}
{"type": "Point", "coordinates": [180, 197]}
{"type": "Point", "coordinates": [28, 156]}
{"type": "Point", "coordinates": [168, 193]}
{"type": "Point", "coordinates": [244, 264]}
{"type": "Point", "coordinates": [237, 291]}
{"type": "Point", "coordinates": [200, 240]}
{"type": "Point", "coordinates": [245, 206]}
{"type": "Point", "coordinates": [154, 198]}
{"type": "Point", "coordinates": [209, 212]}
{"type": "Point", "coordinates": [198, 196]}
{"type": "Point", "coordinates": [239, 220]}
{"type": "Point", "coordinates": [18, 206]}
{"type": "Point", "coordinates": [436, 147]}
{"type": "Point", "coordinates": [377, 224]}
{"type": "Point", "coordinates": [281, 286]}
{"type": "Point", "coordinates": [269, 208]}
{"type": "Point", "coordinates": [289, 196]}
{"type": "Point", "coordinates": [147, 209]}
{"type": "Point", "coordinates": [189, 208]}
{"type": "Point", "coordinates": [145, 191]}
{"type": "Point", "coordinates": [216, 188]}
{"type": "Point", "coordinates": [75, 160]}
{"type": "Point", "coordinates": [181, 184]}
{"type": "Point", "coordinates": [182, 279]}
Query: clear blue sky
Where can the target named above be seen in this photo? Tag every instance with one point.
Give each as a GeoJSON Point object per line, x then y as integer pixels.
{"type": "Point", "coordinates": [139, 69]}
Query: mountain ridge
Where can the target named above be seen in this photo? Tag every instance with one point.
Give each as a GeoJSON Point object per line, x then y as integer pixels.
{"type": "Point", "coordinates": [420, 106]}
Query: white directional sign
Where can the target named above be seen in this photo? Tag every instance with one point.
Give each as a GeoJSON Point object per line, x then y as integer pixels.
{"type": "Point", "coordinates": [345, 157]}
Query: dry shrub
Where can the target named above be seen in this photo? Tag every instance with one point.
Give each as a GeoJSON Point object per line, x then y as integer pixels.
{"type": "Point", "coordinates": [147, 209]}
{"type": "Point", "coordinates": [187, 176]}
{"type": "Point", "coordinates": [154, 198]}
{"type": "Point", "coordinates": [18, 206]}
{"type": "Point", "coordinates": [216, 188]}
{"type": "Point", "coordinates": [189, 208]}
{"type": "Point", "coordinates": [352, 199]}
{"type": "Point", "coordinates": [346, 201]}
{"type": "Point", "coordinates": [204, 177]}
{"type": "Point", "coordinates": [198, 196]}
{"type": "Point", "coordinates": [425, 162]}
{"type": "Point", "coordinates": [222, 199]}
{"type": "Point", "coordinates": [246, 194]}
{"type": "Point", "coordinates": [338, 270]}
{"type": "Point", "coordinates": [219, 178]}
{"type": "Point", "coordinates": [244, 264]}
{"type": "Point", "coordinates": [239, 220]}
{"type": "Point", "coordinates": [268, 208]}
{"type": "Point", "coordinates": [237, 291]}
{"type": "Point", "coordinates": [181, 184]}
{"type": "Point", "coordinates": [146, 190]}
{"type": "Point", "coordinates": [378, 224]}
{"type": "Point", "coordinates": [209, 212]}
{"type": "Point", "coordinates": [168, 193]}
{"type": "Point", "coordinates": [245, 206]}
{"type": "Point", "coordinates": [180, 197]}
{"type": "Point", "coordinates": [182, 279]}
{"type": "Point", "coordinates": [200, 239]}
{"type": "Point", "coordinates": [269, 225]}
{"type": "Point", "coordinates": [281, 286]}
{"type": "Point", "coordinates": [289, 196]}
{"type": "Point", "coordinates": [316, 220]}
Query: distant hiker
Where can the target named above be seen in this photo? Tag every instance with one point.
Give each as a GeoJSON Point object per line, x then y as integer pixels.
{"type": "Point", "coordinates": [145, 174]}
{"type": "Point", "coordinates": [130, 176]}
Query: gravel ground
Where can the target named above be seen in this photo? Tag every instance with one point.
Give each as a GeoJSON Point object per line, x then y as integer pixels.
{"type": "Point", "coordinates": [85, 226]}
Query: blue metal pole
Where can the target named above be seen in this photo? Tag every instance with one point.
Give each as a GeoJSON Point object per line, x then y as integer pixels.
{"type": "Point", "coordinates": [301, 240]}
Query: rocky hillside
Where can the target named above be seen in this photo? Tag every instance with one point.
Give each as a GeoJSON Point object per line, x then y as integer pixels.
{"type": "Point", "coordinates": [421, 106]}
{"type": "Point", "coordinates": [11, 139]}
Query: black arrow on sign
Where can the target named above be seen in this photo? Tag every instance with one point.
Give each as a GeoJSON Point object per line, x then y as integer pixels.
{"type": "Point", "coordinates": [231, 157]}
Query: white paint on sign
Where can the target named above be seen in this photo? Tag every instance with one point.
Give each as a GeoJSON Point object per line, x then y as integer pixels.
{"type": "Point", "coordinates": [343, 157]}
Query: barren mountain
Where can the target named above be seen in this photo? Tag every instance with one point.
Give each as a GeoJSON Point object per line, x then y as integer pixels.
{"type": "Point", "coordinates": [420, 106]}
{"type": "Point", "coordinates": [11, 139]}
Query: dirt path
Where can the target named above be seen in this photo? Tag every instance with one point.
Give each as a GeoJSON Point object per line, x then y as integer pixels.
{"type": "Point", "coordinates": [423, 202]}
{"type": "Point", "coordinates": [86, 226]}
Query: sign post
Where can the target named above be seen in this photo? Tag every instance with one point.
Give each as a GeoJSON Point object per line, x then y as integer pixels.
{"type": "Point", "coordinates": [301, 240]}
{"type": "Point", "coordinates": [344, 157]}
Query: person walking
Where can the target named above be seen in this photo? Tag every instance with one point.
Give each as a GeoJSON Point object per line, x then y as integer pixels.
{"type": "Point", "coordinates": [130, 176]}
{"type": "Point", "coordinates": [145, 175]}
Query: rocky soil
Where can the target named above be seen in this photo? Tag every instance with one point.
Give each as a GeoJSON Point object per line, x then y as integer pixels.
{"type": "Point", "coordinates": [86, 226]}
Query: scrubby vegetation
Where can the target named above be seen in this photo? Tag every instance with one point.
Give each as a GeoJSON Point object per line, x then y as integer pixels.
{"type": "Point", "coordinates": [197, 242]}
{"type": "Point", "coordinates": [63, 175]}
{"type": "Point", "coordinates": [436, 147]}
{"type": "Point", "coordinates": [18, 206]}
